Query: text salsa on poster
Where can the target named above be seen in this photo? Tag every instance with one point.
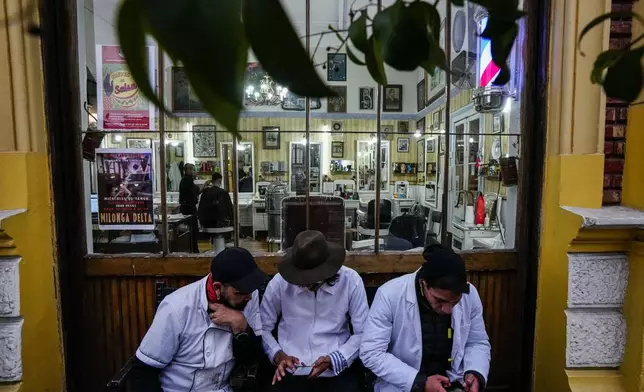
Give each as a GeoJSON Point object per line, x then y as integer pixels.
{"type": "Point", "coordinates": [125, 192]}
{"type": "Point", "coordinates": [121, 105]}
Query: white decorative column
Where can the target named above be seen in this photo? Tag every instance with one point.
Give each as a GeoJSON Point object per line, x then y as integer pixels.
{"type": "Point", "coordinates": [597, 282]}
{"type": "Point", "coordinates": [10, 319]}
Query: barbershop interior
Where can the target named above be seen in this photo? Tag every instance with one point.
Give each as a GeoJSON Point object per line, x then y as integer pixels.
{"type": "Point", "coordinates": [382, 170]}
{"type": "Point", "coordinates": [379, 170]}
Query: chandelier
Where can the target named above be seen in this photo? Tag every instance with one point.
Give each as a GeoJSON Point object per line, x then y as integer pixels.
{"type": "Point", "coordinates": [268, 93]}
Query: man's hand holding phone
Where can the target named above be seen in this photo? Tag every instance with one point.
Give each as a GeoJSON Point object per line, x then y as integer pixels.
{"type": "Point", "coordinates": [436, 383]}
{"type": "Point", "coordinates": [284, 362]}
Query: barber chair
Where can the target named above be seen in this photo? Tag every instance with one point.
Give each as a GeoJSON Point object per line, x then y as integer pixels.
{"type": "Point", "coordinates": [367, 218]}
{"type": "Point", "coordinates": [434, 228]}
{"type": "Point", "coordinates": [217, 235]}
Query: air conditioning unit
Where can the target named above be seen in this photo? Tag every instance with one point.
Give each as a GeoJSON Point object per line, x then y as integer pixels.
{"type": "Point", "coordinates": [464, 48]}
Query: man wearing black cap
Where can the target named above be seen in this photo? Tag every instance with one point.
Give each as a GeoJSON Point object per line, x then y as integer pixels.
{"type": "Point", "coordinates": [425, 331]}
{"type": "Point", "coordinates": [200, 330]}
{"type": "Point", "coordinates": [312, 300]}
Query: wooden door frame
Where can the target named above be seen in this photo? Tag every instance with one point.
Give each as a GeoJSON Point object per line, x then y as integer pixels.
{"type": "Point", "coordinates": [62, 86]}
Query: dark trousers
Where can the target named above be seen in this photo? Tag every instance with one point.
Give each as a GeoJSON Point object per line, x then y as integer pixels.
{"type": "Point", "coordinates": [347, 381]}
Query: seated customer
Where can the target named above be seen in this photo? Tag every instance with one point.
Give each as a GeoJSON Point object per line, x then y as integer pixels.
{"type": "Point", "coordinates": [201, 330]}
{"type": "Point", "coordinates": [425, 330]}
{"type": "Point", "coordinates": [312, 300]}
{"type": "Point", "coordinates": [215, 206]}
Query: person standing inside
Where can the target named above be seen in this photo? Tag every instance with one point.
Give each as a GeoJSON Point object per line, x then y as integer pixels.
{"type": "Point", "coordinates": [425, 330]}
{"type": "Point", "coordinates": [188, 199]}
{"type": "Point", "coordinates": [312, 301]}
{"type": "Point", "coordinates": [215, 206]}
{"type": "Point", "coordinates": [201, 330]}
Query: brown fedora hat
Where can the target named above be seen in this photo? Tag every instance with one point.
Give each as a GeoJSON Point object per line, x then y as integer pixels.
{"type": "Point", "coordinates": [311, 259]}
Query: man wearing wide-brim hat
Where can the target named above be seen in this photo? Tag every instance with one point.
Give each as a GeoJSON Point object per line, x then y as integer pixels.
{"type": "Point", "coordinates": [312, 300]}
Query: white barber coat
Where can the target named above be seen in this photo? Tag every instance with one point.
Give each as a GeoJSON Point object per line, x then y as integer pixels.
{"type": "Point", "coordinates": [195, 354]}
{"type": "Point", "coordinates": [392, 342]}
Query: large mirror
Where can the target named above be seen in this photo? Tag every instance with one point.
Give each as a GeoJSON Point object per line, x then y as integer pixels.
{"type": "Point", "coordinates": [366, 165]}
{"type": "Point", "coordinates": [297, 161]}
{"type": "Point", "coordinates": [245, 166]}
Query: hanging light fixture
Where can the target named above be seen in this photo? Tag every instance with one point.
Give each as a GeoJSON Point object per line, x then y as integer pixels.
{"type": "Point", "coordinates": [268, 93]}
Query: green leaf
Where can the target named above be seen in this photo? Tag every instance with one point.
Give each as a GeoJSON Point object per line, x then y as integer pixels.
{"type": "Point", "coordinates": [358, 32]}
{"type": "Point", "coordinates": [429, 16]}
{"type": "Point", "coordinates": [353, 57]}
{"type": "Point", "coordinates": [624, 79]}
{"type": "Point", "coordinates": [458, 3]}
{"type": "Point", "coordinates": [226, 113]}
{"type": "Point", "coordinates": [602, 18]}
{"type": "Point", "coordinates": [374, 61]}
{"type": "Point", "coordinates": [279, 50]}
{"type": "Point", "coordinates": [402, 35]}
{"type": "Point", "coordinates": [207, 37]}
{"type": "Point", "coordinates": [604, 60]}
{"type": "Point", "coordinates": [132, 40]}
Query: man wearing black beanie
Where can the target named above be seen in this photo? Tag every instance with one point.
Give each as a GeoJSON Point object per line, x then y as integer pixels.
{"type": "Point", "coordinates": [425, 330]}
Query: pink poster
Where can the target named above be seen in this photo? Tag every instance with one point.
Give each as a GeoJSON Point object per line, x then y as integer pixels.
{"type": "Point", "coordinates": [121, 106]}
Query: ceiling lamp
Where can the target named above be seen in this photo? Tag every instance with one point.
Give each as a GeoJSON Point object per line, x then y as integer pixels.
{"type": "Point", "coordinates": [268, 93]}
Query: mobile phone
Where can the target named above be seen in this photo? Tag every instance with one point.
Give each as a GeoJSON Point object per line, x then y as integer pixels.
{"type": "Point", "coordinates": [303, 371]}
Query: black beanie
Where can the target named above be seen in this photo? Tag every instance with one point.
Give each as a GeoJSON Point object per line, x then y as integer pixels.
{"type": "Point", "coordinates": [444, 265]}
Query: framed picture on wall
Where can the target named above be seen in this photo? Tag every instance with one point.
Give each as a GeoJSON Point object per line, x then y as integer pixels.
{"type": "Point", "coordinates": [337, 149]}
{"type": "Point", "coordinates": [336, 67]}
{"type": "Point", "coordinates": [139, 143]}
{"type": "Point", "coordinates": [431, 145]}
{"type": "Point", "coordinates": [420, 125]}
{"type": "Point", "coordinates": [403, 126]}
{"type": "Point", "coordinates": [337, 104]}
{"type": "Point", "coordinates": [393, 98]}
{"type": "Point", "coordinates": [204, 141]}
{"type": "Point", "coordinates": [366, 98]}
{"type": "Point", "coordinates": [497, 123]}
{"type": "Point", "coordinates": [436, 120]}
{"type": "Point", "coordinates": [403, 144]}
{"type": "Point", "coordinates": [184, 98]}
{"type": "Point", "coordinates": [420, 155]}
{"type": "Point", "coordinates": [178, 151]}
{"type": "Point", "coordinates": [420, 95]}
{"type": "Point", "coordinates": [271, 138]}
{"type": "Point", "coordinates": [387, 131]}
{"type": "Point", "coordinates": [441, 145]}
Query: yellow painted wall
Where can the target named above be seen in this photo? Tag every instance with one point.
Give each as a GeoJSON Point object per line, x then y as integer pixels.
{"type": "Point", "coordinates": [33, 234]}
{"type": "Point", "coordinates": [25, 183]}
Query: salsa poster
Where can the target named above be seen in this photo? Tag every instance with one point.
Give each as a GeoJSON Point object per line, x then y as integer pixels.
{"type": "Point", "coordinates": [121, 105]}
{"type": "Point", "coordinates": [125, 192]}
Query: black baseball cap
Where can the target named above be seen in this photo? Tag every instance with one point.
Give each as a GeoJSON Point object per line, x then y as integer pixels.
{"type": "Point", "coordinates": [237, 267]}
{"type": "Point", "coordinates": [444, 269]}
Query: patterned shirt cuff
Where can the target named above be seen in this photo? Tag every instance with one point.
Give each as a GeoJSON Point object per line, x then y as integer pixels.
{"type": "Point", "coordinates": [338, 363]}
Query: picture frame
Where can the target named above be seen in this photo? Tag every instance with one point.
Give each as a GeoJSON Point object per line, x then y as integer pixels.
{"type": "Point", "coordinates": [271, 139]}
{"type": "Point", "coordinates": [403, 145]}
{"type": "Point", "coordinates": [420, 156]}
{"type": "Point", "coordinates": [337, 149]}
{"type": "Point", "coordinates": [441, 145]}
{"type": "Point", "coordinates": [337, 104]}
{"type": "Point", "coordinates": [204, 141]}
{"type": "Point", "coordinates": [392, 99]}
{"type": "Point", "coordinates": [336, 67]}
{"type": "Point", "coordinates": [387, 131]}
{"type": "Point", "coordinates": [178, 151]}
{"type": "Point", "coordinates": [365, 95]}
{"type": "Point", "coordinates": [420, 125]}
{"type": "Point", "coordinates": [436, 120]}
{"type": "Point", "coordinates": [498, 123]}
{"type": "Point", "coordinates": [183, 98]}
{"type": "Point", "coordinates": [403, 126]}
{"type": "Point", "coordinates": [420, 95]}
{"type": "Point", "coordinates": [431, 146]}
{"type": "Point", "coordinates": [138, 143]}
